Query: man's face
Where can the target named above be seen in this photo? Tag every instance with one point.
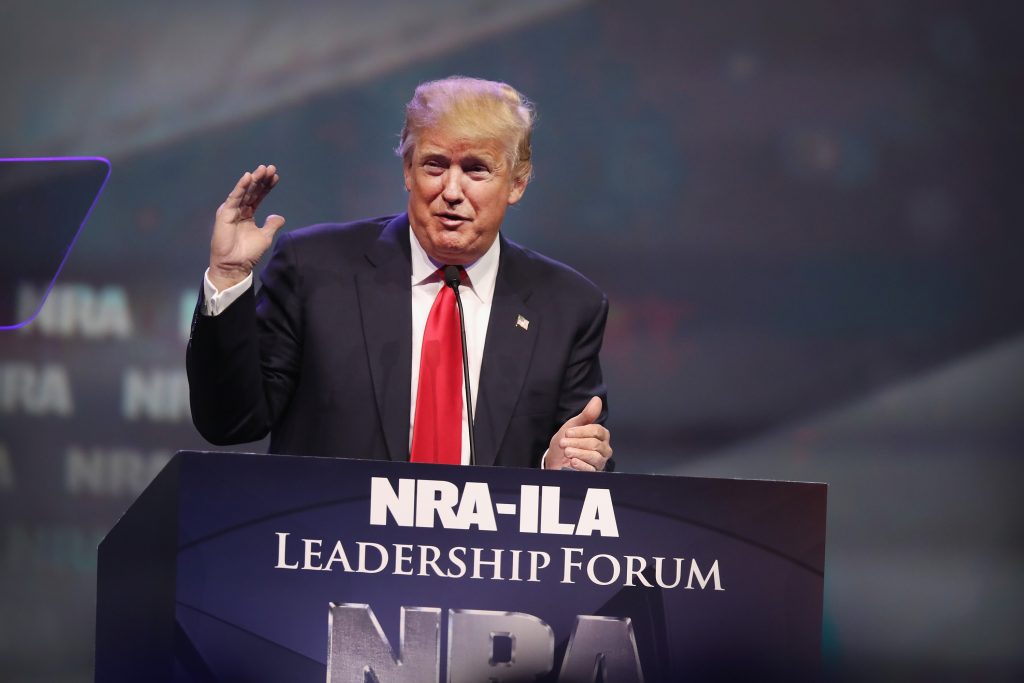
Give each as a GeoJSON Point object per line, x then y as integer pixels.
{"type": "Point", "coordinates": [458, 192]}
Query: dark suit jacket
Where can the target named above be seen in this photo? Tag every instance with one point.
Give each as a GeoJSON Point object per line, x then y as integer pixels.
{"type": "Point", "coordinates": [321, 357]}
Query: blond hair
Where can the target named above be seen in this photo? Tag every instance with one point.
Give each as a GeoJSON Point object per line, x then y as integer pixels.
{"type": "Point", "coordinates": [476, 109]}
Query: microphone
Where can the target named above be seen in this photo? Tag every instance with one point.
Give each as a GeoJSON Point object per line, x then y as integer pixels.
{"type": "Point", "coordinates": [452, 278]}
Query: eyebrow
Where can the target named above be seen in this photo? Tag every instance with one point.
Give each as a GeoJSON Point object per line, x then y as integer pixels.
{"type": "Point", "coordinates": [484, 159]}
{"type": "Point", "coordinates": [477, 156]}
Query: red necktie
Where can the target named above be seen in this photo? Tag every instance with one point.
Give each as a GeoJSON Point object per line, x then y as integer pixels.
{"type": "Point", "coordinates": [437, 426]}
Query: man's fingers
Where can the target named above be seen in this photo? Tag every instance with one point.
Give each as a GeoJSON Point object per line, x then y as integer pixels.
{"type": "Point", "coordinates": [261, 187]}
{"type": "Point", "coordinates": [265, 177]}
{"type": "Point", "coordinates": [245, 201]}
{"type": "Point", "coordinates": [581, 465]}
{"type": "Point", "coordinates": [576, 458]}
{"type": "Point", "coordinates": [586, 444]}
{"type": "Point", "coordinates": [594, 457]}
{"type": "Point", "coordinates": [592, 430]}
{"type": "Point", "coordinates": [254, 184]}
{"type": "Point", "coordinates": [238, 191]}
{"type": "Point", "coordinates": [583, 444]}
{"type": "Point", "coordinates": [261, 178]}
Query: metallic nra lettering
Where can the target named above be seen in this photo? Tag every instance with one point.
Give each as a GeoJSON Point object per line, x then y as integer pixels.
{"type": "Point", "coordinates": [471, 636]}
{"type": "Point", "coordinates": [357, 646]}
{"type": "Point", "coordinates": [35, 391]}
{"type": "Point", "coordinates": [423, 502]}
{"type": "Point", "coordinates": [601, 648]}
{"type": "Point", "coordinates": [76, 309]}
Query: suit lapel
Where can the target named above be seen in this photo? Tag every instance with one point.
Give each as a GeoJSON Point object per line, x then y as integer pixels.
{"type": "Point", "coordinates": [387, 328]}
{"type": "Point", "coordinates": [507, 351]}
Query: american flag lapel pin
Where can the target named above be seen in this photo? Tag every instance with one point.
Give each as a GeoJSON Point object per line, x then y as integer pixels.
{"type": "Point", "coordinates": [522, 323]}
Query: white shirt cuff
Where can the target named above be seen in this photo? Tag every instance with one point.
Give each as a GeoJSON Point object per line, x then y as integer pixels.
{"type": "Point", "coordinates": [216, 301]}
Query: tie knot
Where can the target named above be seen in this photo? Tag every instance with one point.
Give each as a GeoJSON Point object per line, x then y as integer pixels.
{"type": "Point", "coordinates": [448, 274]}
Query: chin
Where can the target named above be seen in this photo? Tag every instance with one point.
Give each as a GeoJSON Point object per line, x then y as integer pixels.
{"type": "Point", "coordinates": [460, 258]}
{"type": "Point", "coordinates": [454, 254]}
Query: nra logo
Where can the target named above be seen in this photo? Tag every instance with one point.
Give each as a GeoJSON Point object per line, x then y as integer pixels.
{"type": "Point", "coordinates": [482, 646]}
{"type": "Point", "coordinates": [433, 502]}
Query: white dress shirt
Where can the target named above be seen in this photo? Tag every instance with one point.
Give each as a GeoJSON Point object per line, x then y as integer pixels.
{"type": "Point", "coordinates": [477, 295]}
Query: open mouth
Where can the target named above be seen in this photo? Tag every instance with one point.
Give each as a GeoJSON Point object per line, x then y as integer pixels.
{"type": "Point", "coordinates": [451, 220]}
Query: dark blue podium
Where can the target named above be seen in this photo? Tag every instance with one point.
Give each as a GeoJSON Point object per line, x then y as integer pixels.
{"type": "Point", "coordinates": [240, 567]}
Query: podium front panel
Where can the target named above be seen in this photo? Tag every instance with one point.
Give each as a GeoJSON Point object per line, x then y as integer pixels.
{"type": "Point", "coordinates": [280, 564]}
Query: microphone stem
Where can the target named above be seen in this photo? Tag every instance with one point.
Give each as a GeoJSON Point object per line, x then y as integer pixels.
{"type": "Point", "coordinates": [465, 374]}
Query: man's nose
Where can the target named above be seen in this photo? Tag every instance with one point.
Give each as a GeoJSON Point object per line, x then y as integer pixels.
{"type": "Point", "coordinates": [453, 186]}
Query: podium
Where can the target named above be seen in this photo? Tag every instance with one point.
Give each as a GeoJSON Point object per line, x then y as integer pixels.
{"type": "Point", "coordinates": [257, 568]}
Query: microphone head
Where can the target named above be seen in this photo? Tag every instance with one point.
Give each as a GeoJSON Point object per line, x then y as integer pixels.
{"type": "Point", "coordinates": [452, 278]}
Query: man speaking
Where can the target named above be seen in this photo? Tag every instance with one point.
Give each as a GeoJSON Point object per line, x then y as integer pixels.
{"type": "Point", "coordinates": [353, 347]}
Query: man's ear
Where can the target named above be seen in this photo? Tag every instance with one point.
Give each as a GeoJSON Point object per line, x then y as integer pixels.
{"type": "Point", "coordinates": [518, 189]}
{"type": "Point", "coordinates": [407, 174]}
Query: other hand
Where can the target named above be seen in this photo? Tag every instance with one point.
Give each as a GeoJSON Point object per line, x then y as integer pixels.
{"type": "Point", "coordinates": [581, 443]}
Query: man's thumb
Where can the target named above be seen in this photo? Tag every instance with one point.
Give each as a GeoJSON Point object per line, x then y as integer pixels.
{"type": "Point", "coordinates": [588, 415]}
{"type": "Point", "coordinates": [273, 223]}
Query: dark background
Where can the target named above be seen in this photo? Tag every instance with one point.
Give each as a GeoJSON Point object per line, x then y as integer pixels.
{"type": "Point", "coordinates": [807, 217]}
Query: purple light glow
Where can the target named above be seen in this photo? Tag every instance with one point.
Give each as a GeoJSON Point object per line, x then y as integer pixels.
{"type": "Point", "coordinates": [71, 244]}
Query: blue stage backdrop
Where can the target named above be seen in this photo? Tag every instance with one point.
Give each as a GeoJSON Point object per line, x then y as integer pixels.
{"type": "Point", "coordinates": [807, 217]}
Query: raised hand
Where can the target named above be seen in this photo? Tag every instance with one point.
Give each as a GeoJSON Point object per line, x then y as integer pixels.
{"type": "Point", "coordinates": [581, 443]}
{"type": "Point", "coordinates": [238, 243]}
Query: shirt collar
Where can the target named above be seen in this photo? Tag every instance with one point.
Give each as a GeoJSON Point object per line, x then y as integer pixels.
{"type": "Point", "coordinates": [483, 272]}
